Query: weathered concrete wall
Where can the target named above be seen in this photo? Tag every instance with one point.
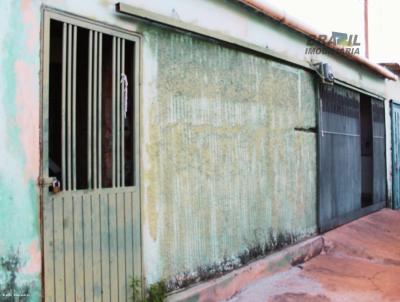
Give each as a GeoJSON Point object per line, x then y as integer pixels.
{"type": "Point", "coordinates": [225, 172]}
{"type": "Point", "coordinates": [223, 167]}
{"type": "Point", "coordinates": [19, 151]}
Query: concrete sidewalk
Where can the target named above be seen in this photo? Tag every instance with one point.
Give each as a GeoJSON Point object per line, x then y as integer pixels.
{"type": "Point", "coordinates": [360, 262]}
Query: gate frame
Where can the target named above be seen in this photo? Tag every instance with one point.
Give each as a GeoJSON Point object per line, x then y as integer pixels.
{"type": "Point", "coordinates": [48, 13]}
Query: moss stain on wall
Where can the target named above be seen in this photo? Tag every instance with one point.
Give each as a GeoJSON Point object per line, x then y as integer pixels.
{"type": "Point", "coordinates": [226, 166]}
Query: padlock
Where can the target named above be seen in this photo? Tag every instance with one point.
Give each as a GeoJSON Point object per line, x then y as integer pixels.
{"type": "Point", "coordinates": [55, 186]}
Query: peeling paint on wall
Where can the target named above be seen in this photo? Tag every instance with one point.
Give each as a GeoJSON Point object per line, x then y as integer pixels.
{"type": "Point", "coordinates": [224, 166]}
{"type": "Point", "coordinates": [19, 152]}
{"type": "Point", "coordinates": [28, 123]}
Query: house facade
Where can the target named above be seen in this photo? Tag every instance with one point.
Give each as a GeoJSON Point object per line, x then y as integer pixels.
{"type": "Point", "coordinates": [155, 141]}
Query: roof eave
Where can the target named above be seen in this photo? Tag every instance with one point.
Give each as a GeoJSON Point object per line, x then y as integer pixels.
{"type": "Point", "coordinates": [268, 9]}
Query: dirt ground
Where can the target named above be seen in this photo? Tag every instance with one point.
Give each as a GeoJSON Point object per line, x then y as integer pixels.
{"type": "Point", "coordinates": [360, 262]}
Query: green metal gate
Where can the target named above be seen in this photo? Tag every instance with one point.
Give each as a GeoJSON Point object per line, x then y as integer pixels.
{"type": "Point", "coordinates": [90, 160]}
{"type": "Point", "coordinates": [395, 154]}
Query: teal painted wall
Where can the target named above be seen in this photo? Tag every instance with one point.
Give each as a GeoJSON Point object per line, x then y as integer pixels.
{"type": "Point", "coordinates": [19, 152]}
{"type": "Point", "coordinates": [226, 176]}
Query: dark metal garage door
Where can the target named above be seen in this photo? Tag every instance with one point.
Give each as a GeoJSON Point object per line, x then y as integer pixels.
{"type": "Point", "coordinates": [352, 179]}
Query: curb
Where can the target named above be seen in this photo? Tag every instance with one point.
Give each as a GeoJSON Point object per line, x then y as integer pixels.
{"type": "Point", "coordinates": [228, 285]}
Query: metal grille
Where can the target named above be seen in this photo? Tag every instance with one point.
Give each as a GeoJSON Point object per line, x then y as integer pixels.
{"type": "Point", "coordinates": [108, 112]}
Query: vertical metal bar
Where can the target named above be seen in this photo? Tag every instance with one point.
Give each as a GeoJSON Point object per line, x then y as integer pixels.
{"type": "Point", "coordinates": [69, 107]}
{"type": "Point", "coordinates": [44, 109]}
{"type": "Point", "coordinates": [395, 147]}
{"type": "Point", "coordinates": [95, 111]}
{"type": "Point", "coordinates": [123, 118]}
{"type": "Point", "coordinates": [74, 109]}
{"type": "Point", "coordinates": [114, 170]}
{"type": "Point", "coordinates": [137, 263]}
{"type": "Point", "coordinates": [100, 107]}
{"type": "Point", "coordinates": [118, 107]}
{"type": "Point", "coordinates": [46, 223]}
{"type": "Point", "coordinates": [89, 138]}
{"type": "Point", "coordinates": [135, 117]}
{"type": "Point", "coordinates": [63, 108]}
